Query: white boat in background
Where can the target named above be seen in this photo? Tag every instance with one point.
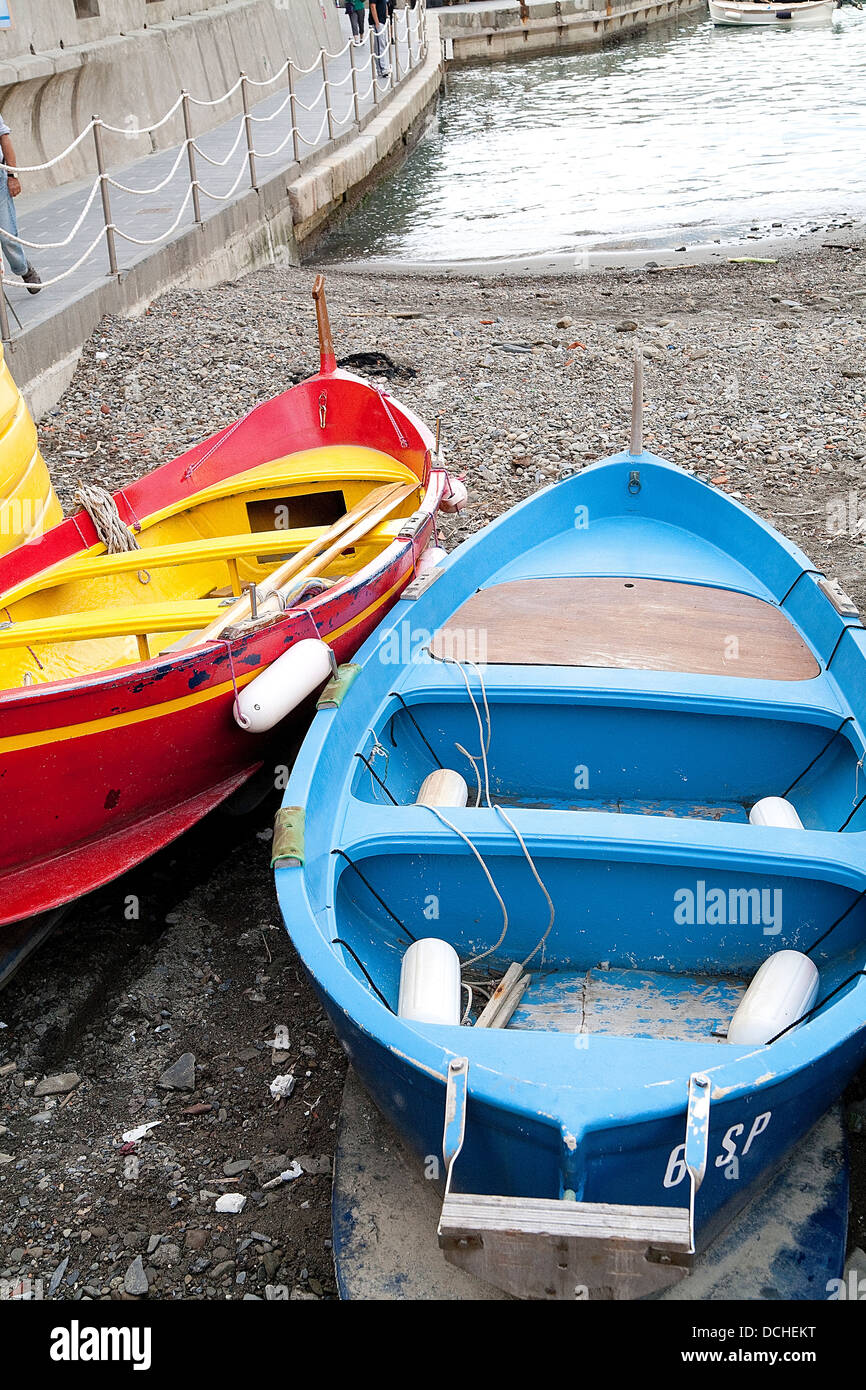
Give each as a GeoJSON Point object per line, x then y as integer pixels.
{"type": "Point", "coordinates": [737, 12]}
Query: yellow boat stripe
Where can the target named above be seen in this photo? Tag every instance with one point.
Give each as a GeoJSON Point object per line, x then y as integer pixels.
{"type": "Point", "coordinates": [16, 743]}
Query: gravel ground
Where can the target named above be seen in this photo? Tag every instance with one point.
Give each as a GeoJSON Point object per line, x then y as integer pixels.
{"type": "Point", "coordinates": [756, 378]}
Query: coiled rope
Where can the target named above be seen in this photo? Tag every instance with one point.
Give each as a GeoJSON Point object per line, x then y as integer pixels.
{"type": "Point", "coordinates": [102, 510]}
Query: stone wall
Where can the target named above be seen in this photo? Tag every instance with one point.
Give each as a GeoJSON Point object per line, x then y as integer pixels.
{"type": "Point", "coordinates": [128, 62]}
{"type": "Point", "coordinates": [488, 33]}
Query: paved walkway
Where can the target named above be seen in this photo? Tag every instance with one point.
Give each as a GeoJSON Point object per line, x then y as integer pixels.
{"type": "Point", "coordinates": [50, 216]}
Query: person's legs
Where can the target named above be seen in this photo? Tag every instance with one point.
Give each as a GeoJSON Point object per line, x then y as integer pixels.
{"type": "Point", "coordinates": [15, 254]}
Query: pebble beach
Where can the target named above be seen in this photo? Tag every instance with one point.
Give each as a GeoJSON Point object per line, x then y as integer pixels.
{"type": "Point", "coordinates": [755, 379]}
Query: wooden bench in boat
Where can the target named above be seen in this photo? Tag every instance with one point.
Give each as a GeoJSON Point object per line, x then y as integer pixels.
{"type": "Point", "coordinates": [105, 623]}
{"type": "Point", "coordinates": [643, 624]}
{"type": "Point", "coordinates": [270, 544]}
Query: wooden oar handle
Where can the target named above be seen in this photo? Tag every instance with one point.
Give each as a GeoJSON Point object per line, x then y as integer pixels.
{"type": "Point", "coordinates": [328, 360]}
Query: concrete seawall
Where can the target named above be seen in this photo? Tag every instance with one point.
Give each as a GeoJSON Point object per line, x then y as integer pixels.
{"type": "Point", "coordinates": [271, 225]}
{"type": "Point", "coordinates": [129, 62]}
{"type": "Point", "coordinates": [489, 31]}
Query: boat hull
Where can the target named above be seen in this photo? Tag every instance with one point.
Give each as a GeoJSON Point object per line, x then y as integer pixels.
{"type": "Point", "coordinates": [616, 741]}
{"type": "Point", "coordinates": [506, 1153]}
{"type": "Point", "coordinates": [100, 771]}
{"type": "Point", "coordinates": [28, 503]}
{"type": "Point", "coordinates": [800, 13]}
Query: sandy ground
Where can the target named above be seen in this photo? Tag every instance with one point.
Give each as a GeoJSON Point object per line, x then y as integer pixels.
{"type": "Point", "coordinates": [756, 378]}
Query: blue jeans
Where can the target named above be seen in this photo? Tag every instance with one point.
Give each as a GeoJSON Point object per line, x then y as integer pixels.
{"type": "Point", "coordinates": [15, 254]}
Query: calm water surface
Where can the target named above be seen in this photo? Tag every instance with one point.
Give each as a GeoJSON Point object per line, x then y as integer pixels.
{"type": "Point", "coordinates": [688, 134]}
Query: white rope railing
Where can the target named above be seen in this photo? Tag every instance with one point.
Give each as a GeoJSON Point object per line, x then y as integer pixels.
{"type": "Point", "coordinates": [406, 42]}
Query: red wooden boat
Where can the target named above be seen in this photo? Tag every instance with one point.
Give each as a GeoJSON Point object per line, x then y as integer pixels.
{"type": "Point", "coordinates": [121, 672]}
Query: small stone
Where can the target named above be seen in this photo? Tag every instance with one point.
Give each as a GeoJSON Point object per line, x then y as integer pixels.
{"type": "Point", "coordinates": [564, 323]}
{"type": "Point", "coordinates": [166, 1255]}
{"type": "Point", "coordinates": [232, 1202]}
{"type": "Point", "coordinates": [196, 1240]}
{"type": "Point", "coordinates": [316, 1166]}
{"type": "Point", "coordinates": [180, 1076]}
{"type": "Point", "coordinates": [135, 1279]}
{"type": "Point", "coordinates": [57, 1085]}
{"type": "Point", "coordinates": [626, 326]}
{"type": "Point", "coordinates": [224, 1267]}
{"type": "Point", "coordinates": [57, 1276]}
{"type": "Point", "coordinates": [233, 1167]}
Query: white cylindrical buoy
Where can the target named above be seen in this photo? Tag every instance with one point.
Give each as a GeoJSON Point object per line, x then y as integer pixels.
{"type": "Point", "coordinates": [454, 498]}
{"type": "Point", "coordinates": [443, 788]}
{"type": "Point", "coordinates": [282, 686]}
{"type": "Point", "coordinates": [783, 990]}
{"type": "Point", "coordinates": [775, 810]}
{"type": "Point", "coordinates": [430, 558]}
{"type": "Point", "coordinates": [430, 982]}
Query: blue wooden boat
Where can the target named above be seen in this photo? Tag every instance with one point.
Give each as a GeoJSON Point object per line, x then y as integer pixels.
{"type": "Point", "coordinates": [621, 669]}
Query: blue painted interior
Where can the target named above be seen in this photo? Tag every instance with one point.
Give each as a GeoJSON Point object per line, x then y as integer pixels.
{"type": "Point", "coordinates": [673, 762]}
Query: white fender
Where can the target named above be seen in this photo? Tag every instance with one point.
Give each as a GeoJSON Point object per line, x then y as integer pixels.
{"type": "Point", "coordinates": [775, 810]}
{"type": "Point", "coordinates": [282, 686]}
{"type": "Point", "coordinates": [783, 989]}
{"type": "Point", "coordinates": [430, 982]}
{"type": "Point", "coordinates": [454, 498]}
{"type": "Point", "coordinates": [443, 788]}
{"type": "Point", "coordinates": [432, 556]}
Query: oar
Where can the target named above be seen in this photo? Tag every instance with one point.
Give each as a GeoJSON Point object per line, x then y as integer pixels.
{"type": "Point", "coordinates": [357, 533]}
{"type": "Point", "coordinates": [365, 514]}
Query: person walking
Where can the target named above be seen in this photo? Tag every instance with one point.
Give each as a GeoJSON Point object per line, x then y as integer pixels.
{"type": "Point", "coordinates": [356, 10]}
{"type": "Point", "coordinates": [378, 23]}
{"type": "Point", "coordinates": [13, 250]}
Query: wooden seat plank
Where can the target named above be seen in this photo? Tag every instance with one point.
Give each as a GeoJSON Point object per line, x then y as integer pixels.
{"type": "Point", "coordinates": [636, 624]}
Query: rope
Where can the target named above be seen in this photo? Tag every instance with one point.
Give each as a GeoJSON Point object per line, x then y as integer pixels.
{"type": "Point", "coordinates": [55, 245]}
{"type": "Point", "coordinates": [157, 187]}
{"type": "Point", "coordinates": [144, 129]}
{"type": "Point", "coordinates": [102, 510]}
{"type": "Point", "coordinates": [373, 89]}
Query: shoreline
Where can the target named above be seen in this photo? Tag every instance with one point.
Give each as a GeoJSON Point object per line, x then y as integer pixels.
{"type": "Point", "coordinates": [765, 247]}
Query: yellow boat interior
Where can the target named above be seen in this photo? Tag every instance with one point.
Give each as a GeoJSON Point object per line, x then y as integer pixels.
{"type": "Point", "coordinates": [97, 611]}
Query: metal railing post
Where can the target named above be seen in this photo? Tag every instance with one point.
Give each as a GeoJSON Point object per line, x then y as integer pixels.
{"type": "Point", "coordinates": [4, 315]}
{"type": "Point", "coordinates": [293, 113]}
{"type": "Point", "coordinates": [371, 34]}
{"type": "Point", "coordinates": [327, 96]}
{"type": "Point", "coordinates": [354, 86]}
{"type": "Point", "coordinates": [106, 200]}
{"type": "Point", "coordinates": [190, 155]}
{"type": "Point", "coordinates": [392, 46]}
{"type": "Point", "coordinates": [248, 126]}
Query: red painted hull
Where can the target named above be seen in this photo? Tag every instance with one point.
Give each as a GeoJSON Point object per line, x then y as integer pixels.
{"type": "Point", "coordinates": [96, 774]}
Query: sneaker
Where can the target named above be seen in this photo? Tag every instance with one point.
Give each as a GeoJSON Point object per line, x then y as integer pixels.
{"type": "Point", "coordinates": [32, 280]}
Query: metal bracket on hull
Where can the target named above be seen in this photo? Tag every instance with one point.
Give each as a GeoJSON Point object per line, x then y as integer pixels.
{"type": "Point", "coordinates": [287, 846]}
{"type": "Point", "coordinates": [420, 584]}
{"type": "Point", "coordinates": [545, 1248]}
{"type": "Point", "coordinates": [337, 688]}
